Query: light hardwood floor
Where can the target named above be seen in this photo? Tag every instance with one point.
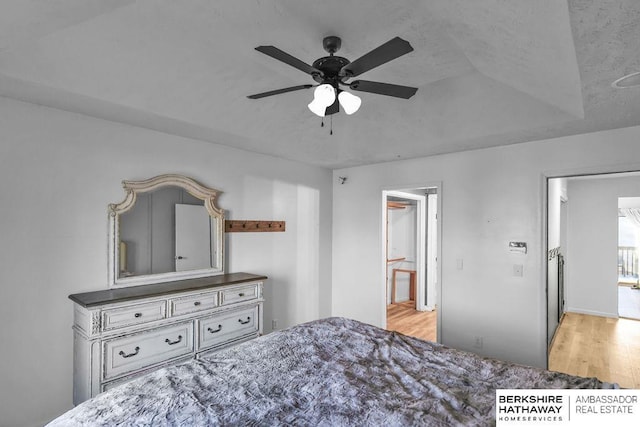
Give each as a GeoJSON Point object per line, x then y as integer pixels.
{"type": "Point", "coordinates": [602, 347]}
{"type": "Point", "coordinates": [588, 346]}
{"type": "Point", "coordinates": [402, 317]}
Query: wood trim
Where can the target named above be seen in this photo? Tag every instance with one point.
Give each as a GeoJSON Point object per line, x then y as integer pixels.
{"type": "Point", "coordinates": [396, 205]}
{"type": "Point", "coordinates": [111, 296]}
{"type": "Point", "coordinates": [412, 284]}
{"type": "Point", "coordinates": [241, 226]}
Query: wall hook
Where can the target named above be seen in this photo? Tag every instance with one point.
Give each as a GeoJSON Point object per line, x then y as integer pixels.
{"type": "Point", "coordinates": [253, 226]}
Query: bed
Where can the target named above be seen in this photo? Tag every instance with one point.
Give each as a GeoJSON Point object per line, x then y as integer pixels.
{"type": "Point", "coordinates": [329, 372]}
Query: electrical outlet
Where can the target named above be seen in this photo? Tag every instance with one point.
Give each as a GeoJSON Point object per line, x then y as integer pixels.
{"type": "Point", "coordinates": [274, 324]}
{"type": "Point", "coordinates": [477, 342]}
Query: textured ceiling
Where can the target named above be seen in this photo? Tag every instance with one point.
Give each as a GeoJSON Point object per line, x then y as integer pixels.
{"type": "Point", "coordinates": [489, 72]}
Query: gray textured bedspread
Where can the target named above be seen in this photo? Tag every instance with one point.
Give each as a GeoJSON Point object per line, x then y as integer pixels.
{"type": "Point", "coordinates": [330, 372]}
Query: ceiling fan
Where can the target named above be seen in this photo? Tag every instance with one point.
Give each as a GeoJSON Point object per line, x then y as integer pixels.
{"type": "Point", "coordinates": [333, 72]}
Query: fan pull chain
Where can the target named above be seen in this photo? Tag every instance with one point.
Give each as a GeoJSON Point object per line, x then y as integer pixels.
{"type": "Point", "coordinates": [330, 124]}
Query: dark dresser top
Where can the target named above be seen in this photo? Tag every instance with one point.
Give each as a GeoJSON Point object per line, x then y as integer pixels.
{"type": "Point", "coordinates": [109, 296]}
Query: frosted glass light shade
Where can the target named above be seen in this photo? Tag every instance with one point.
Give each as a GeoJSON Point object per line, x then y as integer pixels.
{"type": "Point", "coordinates": [317, 108]}
{"type": "Point", "coordinates": [349, 102]}
{"type": "Point", "coordinates": [323, 96]}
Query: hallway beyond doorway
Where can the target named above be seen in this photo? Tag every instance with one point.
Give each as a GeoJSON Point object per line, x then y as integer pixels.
{"type": "Point", "coordinates": [628, 301]}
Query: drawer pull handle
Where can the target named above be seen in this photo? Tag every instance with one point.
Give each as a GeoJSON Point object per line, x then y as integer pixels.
{"type": "Point", "coordinates": [241, 294]}
{"type": "Point", "coordinates": [245, 321]}
{"type": "Point", "coordinates": [137, 315]}
{"type": "Point", "coordinates": [197, 303]}
{"type": "Point", "coordinates": [213, 331]}
{"type": "Point", "coordinates": [125, 355]}
{"type": "Point", "coordinates": [168, 341]}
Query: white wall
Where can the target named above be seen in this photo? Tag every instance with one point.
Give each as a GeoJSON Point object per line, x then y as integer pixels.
{"type": "Point", "coordinates": [592, 268]}
{"type": "Point", "coordinates": [58, 172]}
{"type": "Point", "coordinates": [489, 197]}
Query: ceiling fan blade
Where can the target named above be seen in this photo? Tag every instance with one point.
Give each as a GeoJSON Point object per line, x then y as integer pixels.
{"type": "Point", "coordinates": [279, 91]}
{"type": "Point", "coordinates": [392, 49]}
{"type": "Point", "coordinates": [280, 55]}
{"type": "Point", "coordinates": [398, 91]}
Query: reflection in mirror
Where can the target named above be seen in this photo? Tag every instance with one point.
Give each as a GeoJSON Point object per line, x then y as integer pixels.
{"type": "Point", "coordinates": [167, 228]}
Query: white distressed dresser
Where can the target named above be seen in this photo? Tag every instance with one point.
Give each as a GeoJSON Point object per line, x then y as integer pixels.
{"type": "Point", "coordinates": [120, 334]}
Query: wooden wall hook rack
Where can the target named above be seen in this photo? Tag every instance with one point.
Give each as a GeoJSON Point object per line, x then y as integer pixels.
{"type": "Point", "coordinates": [240, 226]}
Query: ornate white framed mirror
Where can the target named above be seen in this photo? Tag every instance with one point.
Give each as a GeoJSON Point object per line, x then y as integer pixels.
{"type": "Point", "coordinates": [166, 228]}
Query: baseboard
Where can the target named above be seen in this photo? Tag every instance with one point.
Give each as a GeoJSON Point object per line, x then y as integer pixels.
{"type": "Point", "coordinates": [591, 312]}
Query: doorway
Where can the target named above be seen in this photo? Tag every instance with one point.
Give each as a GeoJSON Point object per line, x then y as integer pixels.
{"type": "Point", "coordinates": [410, 259]}
{"type": "Point", "coordinates": [556, 253]}
{"type": "Point", "coordinates": [582, 235]}
{"type": "Point", "coordinates": [628, 251]}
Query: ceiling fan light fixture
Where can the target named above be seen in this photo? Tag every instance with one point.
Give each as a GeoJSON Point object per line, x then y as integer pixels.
{"type": "Point", "coordinates": [349, 102]}
{"type": "Point", "coordinates": [317, 108]}
{"type": "Point", "coordinates": [323, 96]}
{"type": "Point", "coordinates": [330, 72]}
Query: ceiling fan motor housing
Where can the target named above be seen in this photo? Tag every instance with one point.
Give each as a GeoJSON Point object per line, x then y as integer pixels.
{"type": "Point", "coordinates": [331, 65]}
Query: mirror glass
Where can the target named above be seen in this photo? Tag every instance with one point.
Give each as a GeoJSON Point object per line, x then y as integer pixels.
{"type": "Point", "coordinates": [165, 232]}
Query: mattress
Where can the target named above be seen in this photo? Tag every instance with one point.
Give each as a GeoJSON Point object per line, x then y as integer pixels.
{"type": "Point", "coordinates": [329, 372]}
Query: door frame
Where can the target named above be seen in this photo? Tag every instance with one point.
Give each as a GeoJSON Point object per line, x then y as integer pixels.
{"type": "Point", "coordinates": [384, 192]}
{"type": "Point", "coordinates": [544, 211]}
{"type": "Point", "coordinates": [421, 241]}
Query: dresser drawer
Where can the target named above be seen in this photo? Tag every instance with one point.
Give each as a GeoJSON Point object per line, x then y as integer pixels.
{"type": "Point", "coordinates": [133, 315]}
{"type": "Point", "coordinates": [108, 385]}
{"type": "Point", "coordinates": [241, 293]}
{"type": "Point", "coordinates": [193, 303]}
{"type": "Point", "coordinates": [134, 352]}
{"type": "Point", "coordinates": [228, 326]}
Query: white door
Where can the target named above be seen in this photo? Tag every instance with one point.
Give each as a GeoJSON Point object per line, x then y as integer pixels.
{"type": "Point", "coordinates": [193, 243]}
